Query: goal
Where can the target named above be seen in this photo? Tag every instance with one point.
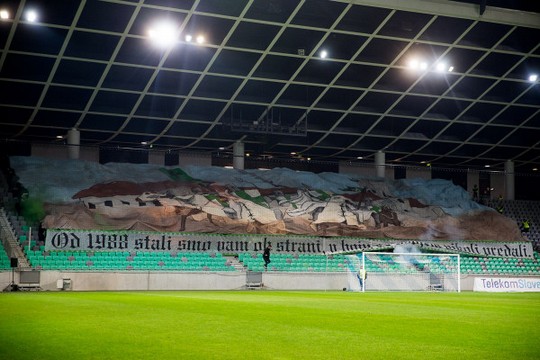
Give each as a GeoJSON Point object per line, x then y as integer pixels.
{"type": "Point", "coordinates": [386, 271]}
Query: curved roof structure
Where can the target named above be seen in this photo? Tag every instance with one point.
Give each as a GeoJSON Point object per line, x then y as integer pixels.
{"type": "Point", "coordinates": [447, 82]}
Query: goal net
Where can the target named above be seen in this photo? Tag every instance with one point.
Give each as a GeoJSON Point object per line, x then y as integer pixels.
{"type": "Point", "coordinates": [383, 271]}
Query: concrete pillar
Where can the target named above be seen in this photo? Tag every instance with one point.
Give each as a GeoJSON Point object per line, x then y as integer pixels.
{"type": "Point", "coordinates": [509, 180]}
{"type": "Point", "coordinates": [238, 155]}
{"type": "Point", "coordinates": [156, 158]}
{"type": "Point", "coordinates": [74, 142]}
{"type": "Point", "coordinates": [380, 164]}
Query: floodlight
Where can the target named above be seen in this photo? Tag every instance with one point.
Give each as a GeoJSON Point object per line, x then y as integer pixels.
{"type": "Point", "coordinates": [423, 65]}
{"type": "Point", "coordinates": [188, 38]}
{"type": "Point", "coordinates": [4, 14]}
{"type": "Point", "coordinates": [414, 64]}
{"type": "Point", "coordinates": [441, 67]}
{"type": "Point", "coordinates": [533, 77]}
{"type": "Point", "coordinates": [324, 54]}
{"type": "Point", "coordinates": [31, 15]}
{"type": "Point", "coordinates": [450, 69]}
{"type": "Point", "coordinates": [200, 39]}
{"type": "Point", "coordinates": [164, 34]}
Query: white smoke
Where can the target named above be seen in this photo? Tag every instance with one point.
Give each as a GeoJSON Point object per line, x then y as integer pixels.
{"type": "Point", "coordinates": [406, 261]}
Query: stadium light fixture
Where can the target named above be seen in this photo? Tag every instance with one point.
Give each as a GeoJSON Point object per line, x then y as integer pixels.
{"type": "Point", "coordinates": [324, 54]}
{"type": "Point", "coordinates": [441, 67]}
{"type": "Point", "coordinates": [163, 34]}
{"type": "Point", "coordinates": [414, 64]}
{"type": "Point", "coordinates": [200, 39]}
{"type": "Point", "coordinates": [31, 16]}
{"type": "Point", "coordinates": [4, 14]}
{"type": "Point", "coordinates": [533, 77]}
{"type": "Point", "coordinates": [188, 38]}
{"type": "Point", "coordinates": [418, 64]}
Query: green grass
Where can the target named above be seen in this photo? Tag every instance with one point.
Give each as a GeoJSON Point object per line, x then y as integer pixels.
{"type": "Point", "coordinates": [268, 325]}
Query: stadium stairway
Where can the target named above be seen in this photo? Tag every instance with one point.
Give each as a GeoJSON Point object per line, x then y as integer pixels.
{"type": "Point", "coordinates": [233, 261]}
{"type": "Point", "coordinates": [10, 242]}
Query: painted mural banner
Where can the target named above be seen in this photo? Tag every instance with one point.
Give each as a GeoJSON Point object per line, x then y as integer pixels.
{"type": "Point", "coordinates": [213, 200]}
{"type": "Point", "coordinates": [81, 240]}
{"type": "Point", "coordinates": [497, 284]}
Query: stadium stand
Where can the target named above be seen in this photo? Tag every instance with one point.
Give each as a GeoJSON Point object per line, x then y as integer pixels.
{"type": "Point", "coordinates": [521, 210]}
{"type": "Point", "coordinates": [132, 261]}
{"type": "Point", "coordinates": [292, 263]}
{"type": "Point", "coordinates": [4, 260]}
{"type": "Point", "coordinates": [40, 259]}
{"type": "Point", "coordinates": [123, 260]}
{"type": "Point", "coordinates": [500, 266]}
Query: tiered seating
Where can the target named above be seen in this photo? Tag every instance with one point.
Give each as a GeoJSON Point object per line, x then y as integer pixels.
{"type": "Point", "coordinates": [22, 230]}
{"type": "Point", "coordinates": [386, 263]}
{"type": "Point", "coordinates": [500, 266]}
{"type": "Point", "coordinates": [295, 263]}
{"type": "Point", "coordinates": [383, 263]}
{"type": "Point", "coordinates": [4, 259]}
{"type": "Point", "coordinates": [118, 260]}
{"type": "Point", "coordinates": [521, 210]}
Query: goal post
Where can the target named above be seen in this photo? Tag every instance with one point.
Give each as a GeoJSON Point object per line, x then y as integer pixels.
{"type": "Point", "coordinates": [386, 271]}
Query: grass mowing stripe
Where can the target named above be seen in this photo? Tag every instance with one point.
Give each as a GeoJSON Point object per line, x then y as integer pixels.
{"type": "Point", "coordinates": [268, 325]}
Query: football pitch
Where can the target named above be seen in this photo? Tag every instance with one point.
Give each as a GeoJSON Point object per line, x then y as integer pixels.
{"type": "Point", "coordinates": [268, 325]}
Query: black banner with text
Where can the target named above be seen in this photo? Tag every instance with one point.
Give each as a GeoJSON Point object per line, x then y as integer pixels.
{"type": "Point", "coordinates": [80, 240]}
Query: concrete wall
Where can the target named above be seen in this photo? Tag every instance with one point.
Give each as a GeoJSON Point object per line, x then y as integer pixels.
{"type": "Point", "coordinates": [52, 151]}
{"type": "Point", "coordinates": [414, 173]}
{"type": "Point", "coordinates": [364, 170]}
{"type": "Point", "coordinates": [199, 159]}
{"type": "Point", "coordinates": [140, 280]}
{"type": "Point", "coordinates": [156, 158]}
{"type": "Point", "coordinates": [473, 178]}
{"type": "Point", "coordinates": [498, 184]}
{"type": "Point", "coordinates": [124, 281]}
{"type": "Point", "coordinates": [89, 153]}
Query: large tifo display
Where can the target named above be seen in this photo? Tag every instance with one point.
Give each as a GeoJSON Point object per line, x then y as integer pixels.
{"type": "Point", "coordinates": [80, 240]}
{"type": "Point", "coordinates": [281, 202]}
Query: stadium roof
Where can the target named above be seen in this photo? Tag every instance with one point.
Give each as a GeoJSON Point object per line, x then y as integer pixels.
{"type": "Point", "coordinates": [446, 82]}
